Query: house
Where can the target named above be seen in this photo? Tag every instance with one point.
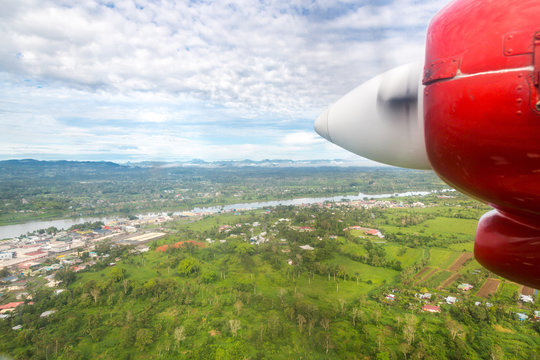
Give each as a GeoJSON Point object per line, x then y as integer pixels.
{"type": "Point", "coordinates": [391, 297]}
{"type": "Point", "coordinates": [465, 287]}
{"type": "Point", "coordinates": [53, 283]}
{"type": "Point", "coordinates": [7, 255]}
{"type": "Point", "coordinates": [142, 248]}
{"type": "Point", "coordinates": [11, 278]}
{"type": "Point", "coordinates": [47, 313]}
{"type": "Point", "coordinates": [225, 228]}
{"type": "Point", "coordinates": [22, 296]}
{"type": "Point", "coordinates": [10, 306]}
{"type": "Point", "coordinates": [307, 247]}
{"type": "Point", "coordinates": [425, 296]}
{"type": "Point", "coordinates": [374, 232]}
{"type": "Point", "coordinates": [431, 308]}
{"type": "Point", "coordinates": [522, 316]}
{"type": "Point", "coordinates": [537, 315]}
{"type": "Point", "coordinates": [526, 298]}
{"type": "Point", "coordinates": [450, 300]}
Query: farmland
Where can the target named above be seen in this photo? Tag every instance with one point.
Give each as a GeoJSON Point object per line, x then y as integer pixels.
{"type": "Point", "coordinates": [286, 282]}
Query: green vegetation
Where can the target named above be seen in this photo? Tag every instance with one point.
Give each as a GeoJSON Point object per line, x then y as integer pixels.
{"type": "Point", "coordinates": [276, 300]}
{"type": "Point", "coordinates": [38, 190]}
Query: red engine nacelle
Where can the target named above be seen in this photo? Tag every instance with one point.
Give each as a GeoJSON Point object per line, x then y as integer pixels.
{"type": "Point", "coordinates": [474, 118]}
{"type": "Point", "coordinates": [482, 123]}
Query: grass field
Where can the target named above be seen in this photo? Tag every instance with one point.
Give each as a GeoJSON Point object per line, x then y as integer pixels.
{"type": "Point", "coordinates": [463, 229]}
{"type": "Point", "coordinates": [377, 275]}
{"type": "Point", "coordinates": [507, 290]}
{"type": "Point", "coordinates": [442, 258]}
{"type": "Point", "coordinates": [466, 246]}
{"type": "Point", "coordinates": [437, 279]}
{"type": "Point", "coordinates": [410, 257]}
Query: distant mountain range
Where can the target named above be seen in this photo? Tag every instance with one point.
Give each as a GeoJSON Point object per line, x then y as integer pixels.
{"type": "Point", "coordinates": [246, 162]}
{"type": "Point", "coordinates": [6, 165]}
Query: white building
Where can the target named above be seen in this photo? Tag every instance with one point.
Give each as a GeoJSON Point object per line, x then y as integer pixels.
{"type": "Point", "coordinates": [6, 255]}
{"type": "Point", "coordinates": [526, 298]}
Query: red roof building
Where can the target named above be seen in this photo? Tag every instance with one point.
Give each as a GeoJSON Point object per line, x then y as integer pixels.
{"type": "Point", "coordinates": [432, 308]}
{"type": "Point", "coordinates": [11, 305]}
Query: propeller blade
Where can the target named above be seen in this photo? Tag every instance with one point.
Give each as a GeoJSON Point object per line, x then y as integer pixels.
{"type": "Point", "coordinates": [380, 120]}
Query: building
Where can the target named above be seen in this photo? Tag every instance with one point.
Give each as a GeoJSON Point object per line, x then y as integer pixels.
{"type": "Point", "coordinates": [465, 287]}
{"type": "Point", "coordinates": [8, 255]}
{"type": "Point", "coordinates": [47, 313]}
{"type": "Point", "coordinates": [526, 298]}
{"type": "Point", "coordinates": [10, 306]}
{"type": "Point", "coordinates": [431, 308]}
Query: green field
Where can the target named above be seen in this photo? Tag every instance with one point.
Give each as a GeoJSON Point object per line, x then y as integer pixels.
{"type": "Point", "coordinates": [442, 258]}
{"type": "Point", "coordinates": [452, 229]}
{"type": "Point", "coordinates": [409, 258]}
{"type": "Point", "coordinates": [236, 300]}
{"type": "Point", "coordinates": [436, 279]}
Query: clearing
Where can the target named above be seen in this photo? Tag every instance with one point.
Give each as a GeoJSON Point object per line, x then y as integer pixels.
{"type": "Point", "coordinates": [489, 288]}
{"type": "Point", "coordinates": [448, 281]}
{"type": "Point", "coordinates": [460, 261]}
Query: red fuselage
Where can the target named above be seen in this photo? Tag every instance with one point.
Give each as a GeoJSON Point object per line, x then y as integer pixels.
{"type": "Point", "coordinates": [482, 123]}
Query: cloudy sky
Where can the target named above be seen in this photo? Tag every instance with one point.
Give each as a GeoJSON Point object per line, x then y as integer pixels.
{"type": "Point", "coordinates": [133, 80]}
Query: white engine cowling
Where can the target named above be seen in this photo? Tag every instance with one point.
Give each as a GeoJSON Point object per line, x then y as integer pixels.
{"type": "Point", "coordinates": [380, 120]}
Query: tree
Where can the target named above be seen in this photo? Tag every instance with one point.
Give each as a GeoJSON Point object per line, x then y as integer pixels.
{"type": "Point", "coordinates": [117, 274]}
{"type": "Point", "coordinates": [238, 306]}
{"type": "Point", "coordinates": [405, 349]}
{"type": "Point", "coordinates": [143, 338]}
{"type": "Point", "coordinates": [179, 335]}
{"type": "Point", "coordinates": [410, 328]}
{"type": "Point", "coordinates": [94, 289]}
{"type": "Point", "coordinates": [126, 285]}
{"type": "Point", "coordinates": [355, 313]}
{"type": "Point", "coordinates": [301, 322]}
{"type": "Point", "coordinates": [188, 266]}
{"type": "Point", "coordinates": [325, 323]}
{"type": "Point", "coordinates": [65, 275]}
{"type": "Point", "coordinates": [454, 328]}
{"type": "Point", "coordinates": [234, 326]}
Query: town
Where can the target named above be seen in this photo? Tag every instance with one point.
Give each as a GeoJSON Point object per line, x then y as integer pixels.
{"type": "Point", "coordinates": [395, 274]}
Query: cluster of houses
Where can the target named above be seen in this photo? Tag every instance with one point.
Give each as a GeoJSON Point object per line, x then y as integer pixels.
{"type": "Point", "coordinates": [367, 231]}
{"type": "Point", "coordinates": [30, 250]}
{"type": "Point", "coordinates": [426, 298]}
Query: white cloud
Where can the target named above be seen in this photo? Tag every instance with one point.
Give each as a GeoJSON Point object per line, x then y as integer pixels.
{"type": "Point", "coordinates": [302, 138]}
{"type": "Point", "coordinates": [200, 68]}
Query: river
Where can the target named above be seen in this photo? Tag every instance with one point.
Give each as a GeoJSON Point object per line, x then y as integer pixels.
{"type": "Point", "coordinates": [11, 231]}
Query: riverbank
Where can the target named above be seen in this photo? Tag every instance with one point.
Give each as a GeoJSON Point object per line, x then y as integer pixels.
{"type": "Point", "coordinates": [11, 231]}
